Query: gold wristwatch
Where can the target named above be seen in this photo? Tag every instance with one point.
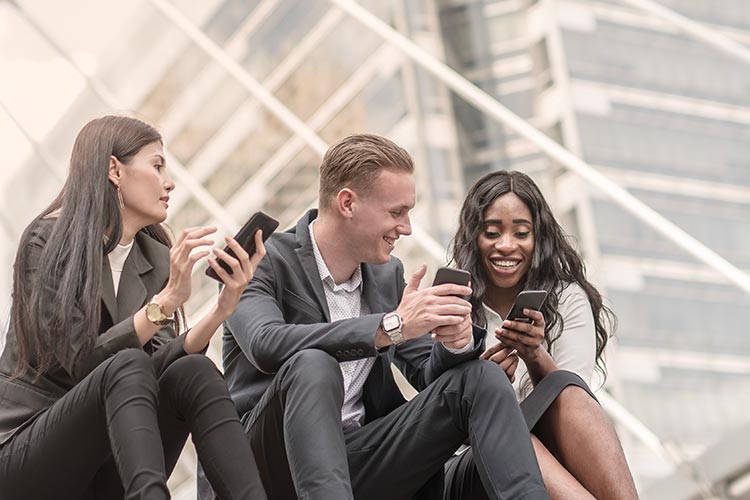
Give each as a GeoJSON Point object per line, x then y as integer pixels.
{"type": "Point", "coordinates": [155, 313]}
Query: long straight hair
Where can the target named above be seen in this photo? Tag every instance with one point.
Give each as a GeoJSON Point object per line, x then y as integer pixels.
{"type": "Point", "coordinates": [554, 264]}
{"type": "Point", "coordinates": [67, 283]}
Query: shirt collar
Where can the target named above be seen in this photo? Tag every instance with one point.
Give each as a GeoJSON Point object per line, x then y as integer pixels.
{"type": "Point", "coordinates": [355, 280]}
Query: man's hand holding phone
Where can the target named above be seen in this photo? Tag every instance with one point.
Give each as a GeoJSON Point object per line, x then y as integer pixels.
{"type": "Point", "coordinates": [437, 309]}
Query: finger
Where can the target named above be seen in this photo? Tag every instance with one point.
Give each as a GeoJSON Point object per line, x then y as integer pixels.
{"type": "Point", "coordinates": [452, 310]}
{"type": "Point", "coordinates": [452, 289]}
{"type": "Point", "coordinates": [260, 250]}
{"type": "Point", "coordinates": [184, 234]}
{"type": "Point", "coordinates": [416, 278]}
{"type": "Point", "coordinates": [493, 349]}
{"type": "Point", "coordinates": [225, 276]}
{"type": "Point", "coordinates": [228, 260]}
{"type": "Point", "coordinates": [518, 326]}
{"type": "Point", "coordinates": [536, 316]}
{"type": "Point", "coordinates": [239, 252]}
{"type": "Point", "coordinates": [195, 258]}
{"type": "Point", "coordinates": [519, 340]}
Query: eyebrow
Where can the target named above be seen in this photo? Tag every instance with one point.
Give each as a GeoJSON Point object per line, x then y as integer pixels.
{"type": "Point", "coordinates": [160, 157]}
{"type": "Point", "coordinates": [498, 222]}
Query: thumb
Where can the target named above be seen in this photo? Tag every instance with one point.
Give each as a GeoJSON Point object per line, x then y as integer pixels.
{"type": "Point", "coordinates": [416, 278]}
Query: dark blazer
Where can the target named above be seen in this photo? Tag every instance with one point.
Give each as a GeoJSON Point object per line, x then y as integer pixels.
{"type": "Point", "coordinates": [284, 310]}
{"type": "Point", "coordinates": [145, 273]}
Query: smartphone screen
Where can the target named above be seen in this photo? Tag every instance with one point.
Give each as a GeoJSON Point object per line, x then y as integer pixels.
{"type": "Point", "coordinates": [246, 238]}
{"type": "Point", "coordinates": [527, 299]}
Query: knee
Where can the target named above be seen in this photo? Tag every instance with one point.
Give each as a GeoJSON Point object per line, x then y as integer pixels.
{"type": "Point", "coordinates": [483, 378]}
{"type": "Point", "coordinates": [131, 367]}
{"type": "Point", "coordinates": [575, 397]}
{"type": "Point", "coordinates": [190, 367]}
{"type": "Point", "coordinates": [313, 369]}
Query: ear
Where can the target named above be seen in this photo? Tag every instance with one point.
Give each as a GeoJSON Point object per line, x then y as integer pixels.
{"type": "Point", "coordinates": [115, 168]}
{"type": "Point", "coordinates": [344, 201]}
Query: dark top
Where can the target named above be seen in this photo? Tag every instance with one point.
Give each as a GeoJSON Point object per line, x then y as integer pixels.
{"type": "Point", "coordinates": [144, 274]}
{"type": "Point", "coordinates": [284, 310]}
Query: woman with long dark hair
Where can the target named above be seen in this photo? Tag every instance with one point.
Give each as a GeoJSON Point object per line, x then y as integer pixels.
{"type": "Point", "coordinates": [98, 393]}
{"type": "Point", "coordinates": [510, 241]}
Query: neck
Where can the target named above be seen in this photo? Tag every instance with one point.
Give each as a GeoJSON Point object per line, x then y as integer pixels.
{"type": "Point", "coordinates": [336, 251]}
{"type": "Point", "coordinates": [501, 300]}
{"type": "Point", "coordinates": [129, 230]}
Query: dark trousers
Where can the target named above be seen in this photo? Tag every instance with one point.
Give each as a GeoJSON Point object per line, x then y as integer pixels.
{"type": "Point", "coordinates": [533, 407]}
{"type": "Point", "coordinates": [303, 452]}
{"type": "Point", "coordinates": [119, 432]}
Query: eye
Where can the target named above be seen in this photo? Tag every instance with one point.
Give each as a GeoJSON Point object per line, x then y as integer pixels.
{"type": "Point", "coordinates": [158, 166]}
{"type": "Point", "coordinates": [522, 234]}
{"type": "Point", "coordinates": [491, 234]}
{"type": "Point", "coordinates": [396, 213]}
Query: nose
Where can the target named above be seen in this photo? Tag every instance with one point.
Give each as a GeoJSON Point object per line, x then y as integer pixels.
{"type": "Point", "coordinates": [405, 227]}
{"type": "Point", "coordinates": [168, 182]}
{"type": "Point", "coordinates": [505, 243]}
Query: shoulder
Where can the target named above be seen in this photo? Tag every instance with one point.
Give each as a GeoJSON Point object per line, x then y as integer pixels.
{"type": "Point", "coordinates": [154, 250]}
{"type": "Point", "coordinates": [572, 296]}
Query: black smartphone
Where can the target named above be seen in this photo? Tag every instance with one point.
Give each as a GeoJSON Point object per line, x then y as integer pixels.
{"type": "Point", "coordinates": [246, 238]}
{"type": "Point", "coordinates": [451, 275]}
{"type": "Point", "coordinates": [528, 299]}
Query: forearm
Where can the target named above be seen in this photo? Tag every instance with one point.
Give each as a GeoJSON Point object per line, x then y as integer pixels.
{"type": "Point", "coordinates": [540, 365]}
{"type": "Point", "coordinates": [198, 337]}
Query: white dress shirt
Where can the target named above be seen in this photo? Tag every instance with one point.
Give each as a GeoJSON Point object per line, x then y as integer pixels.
{"type": "Point", "coordinates": [344, 302]}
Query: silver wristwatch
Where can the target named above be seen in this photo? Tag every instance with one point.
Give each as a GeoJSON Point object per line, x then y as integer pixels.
{"type": "Point", "coordinates": [391, 325]}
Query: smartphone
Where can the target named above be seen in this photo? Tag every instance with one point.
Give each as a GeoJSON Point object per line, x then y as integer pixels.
{"type": "Point", "coordinates": [452, 275]}
{"type": "Point", "coordinates": [527, 299]}
{"type": "Point", "coordinates": [246, 238]}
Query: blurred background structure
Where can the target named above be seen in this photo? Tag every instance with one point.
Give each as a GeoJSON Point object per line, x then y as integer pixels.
{"type": "Point", "coordinates": [654, 96]}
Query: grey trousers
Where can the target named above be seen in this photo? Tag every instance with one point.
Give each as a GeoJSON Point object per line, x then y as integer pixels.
{"type": "Point", "coordinates": [303, 452]}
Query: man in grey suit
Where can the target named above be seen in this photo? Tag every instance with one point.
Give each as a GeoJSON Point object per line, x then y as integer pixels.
{"type": "Point", "coordinates": [307, 354]}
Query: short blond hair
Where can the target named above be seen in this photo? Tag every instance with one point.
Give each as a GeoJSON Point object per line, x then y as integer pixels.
{"type": "Point", "coordinates": [356, 161]}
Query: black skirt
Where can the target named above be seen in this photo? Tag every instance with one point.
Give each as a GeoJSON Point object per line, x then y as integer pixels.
{"type": "Point", "coordinates": [545, 393]}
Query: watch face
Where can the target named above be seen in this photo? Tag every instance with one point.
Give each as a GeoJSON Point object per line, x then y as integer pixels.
{"type": "Point", "coordinates": [390, 322]}
{"type": "Point", "coordinates": [153, 313]}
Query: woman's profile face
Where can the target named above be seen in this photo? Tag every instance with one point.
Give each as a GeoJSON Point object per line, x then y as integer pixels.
{"type": "Point", "coordinates": [145, 186]}
{"type": "Point", "coordinates": [506, 243]}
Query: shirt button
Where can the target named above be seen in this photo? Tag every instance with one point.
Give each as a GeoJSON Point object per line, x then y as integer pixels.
{"type": "Point", "coordinates": [347, 354]}
{"type": "Point", "coordinates": [360, 352]}
{"type": "Point", "coordinates": [339, 354]}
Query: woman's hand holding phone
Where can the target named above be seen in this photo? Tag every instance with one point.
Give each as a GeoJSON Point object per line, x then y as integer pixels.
{"type": "Point", "coordinates": [243, 269]}
{"type": "Point", "coordinates": [525, 338]}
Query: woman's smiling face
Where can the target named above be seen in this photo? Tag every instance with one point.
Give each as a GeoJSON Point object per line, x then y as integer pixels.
{"type": "Point", "coordinates": [506, 243]}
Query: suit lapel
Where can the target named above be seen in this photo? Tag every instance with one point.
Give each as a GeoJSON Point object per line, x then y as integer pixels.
{"type": "Point", "coordinates": [132, 292]}
{"type": "Point", "coordinates": [108, 290]}
{"type": "Point", "coordinates": [306, 258]}
{"type": "Point", "coordinates": [370, 291]}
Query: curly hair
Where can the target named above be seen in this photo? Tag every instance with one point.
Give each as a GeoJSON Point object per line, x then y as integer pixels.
{"type": "Point", "coordinates": [554, 263]}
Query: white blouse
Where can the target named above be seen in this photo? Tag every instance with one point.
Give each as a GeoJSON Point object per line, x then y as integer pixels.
{"type": "Point", "coordinates": [117, 258]}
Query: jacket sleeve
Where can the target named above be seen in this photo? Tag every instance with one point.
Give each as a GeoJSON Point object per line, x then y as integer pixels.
{"type": "Point", "coordinates": [267, 340]}
{"type": "Point", "coordinates": [79, 362]}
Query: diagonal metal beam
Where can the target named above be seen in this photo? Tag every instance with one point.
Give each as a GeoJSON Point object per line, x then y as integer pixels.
{"type": "Point", "coordinates": [693, 28]}
{"type": "Point", "coordinates": [492, 108]}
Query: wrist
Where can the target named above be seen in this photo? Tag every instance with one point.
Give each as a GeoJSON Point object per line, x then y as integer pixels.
{"type": "Point", "coordinates": [167, 301]}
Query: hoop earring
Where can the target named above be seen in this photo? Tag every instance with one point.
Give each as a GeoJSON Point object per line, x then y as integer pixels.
{"type": "Point", "coordinates": [119, 199]}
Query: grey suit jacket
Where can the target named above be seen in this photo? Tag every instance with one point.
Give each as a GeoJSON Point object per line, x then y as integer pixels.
{"type": "Point", "coordinates": [284, 310]}
{"type": "Point", "coordinates": [145, 273]}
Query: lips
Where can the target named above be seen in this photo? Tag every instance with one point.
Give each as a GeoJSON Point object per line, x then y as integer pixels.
{"type": "Point", "coordinates": [165, 200]}
{"type": "Point", "coordinates": [505, 265]}
{"type": "Point", "coordinates": [390, 241]}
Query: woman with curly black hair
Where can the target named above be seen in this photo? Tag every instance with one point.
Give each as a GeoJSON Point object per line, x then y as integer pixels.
{"type": "Point", "coordinates": [510, 241]}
